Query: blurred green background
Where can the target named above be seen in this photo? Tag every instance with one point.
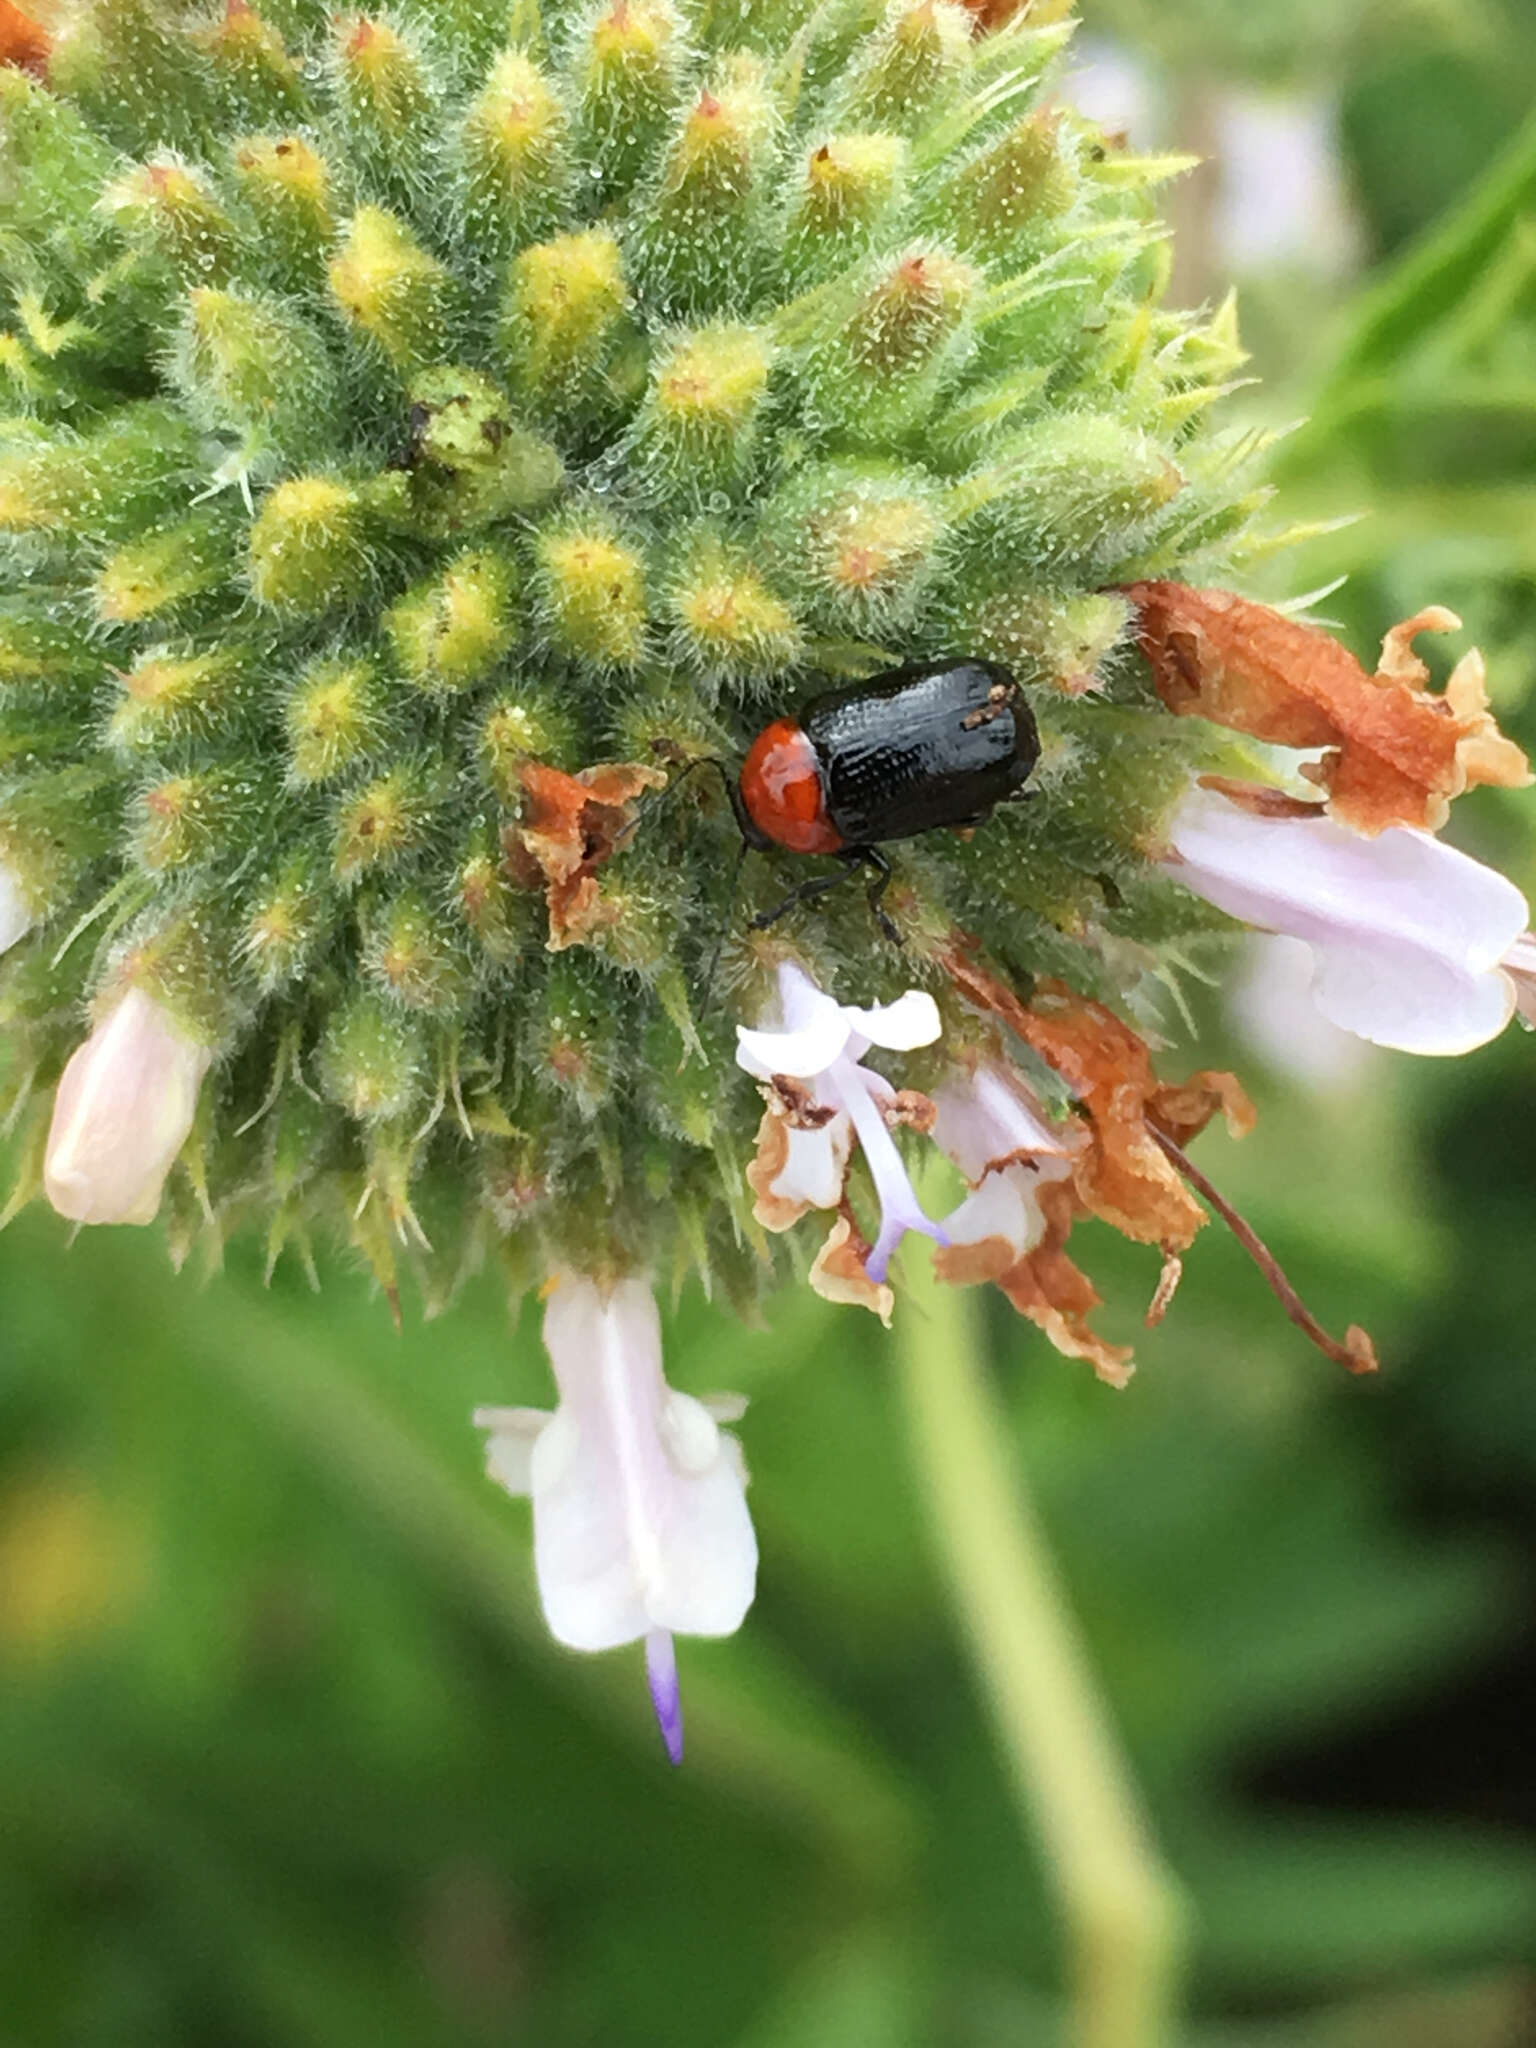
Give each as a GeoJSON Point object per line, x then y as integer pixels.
{"type": "Point", "coordinates": [285, 1756]}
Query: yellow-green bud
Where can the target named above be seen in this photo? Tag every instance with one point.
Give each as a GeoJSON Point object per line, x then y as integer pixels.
{"type": "Point", "coordinates": [336, 718]}
{"type": "Point", "coordinates": [167, 210]}
{"type": "Point", "coordinates": [515, 162]}
{"type": "Point", "coordinates": [392, 289]}
{"type": "Point", "coordinates": [860, 541]}
{"type": "Point", "coordinates": [701, 238]}
{"type": "Point", "coordinates": [565, 299]}
{"type": "Point", "coordinates": [1048, 639]}
{"type": "Point", "coordinates": [284, 925]}
{"type": "Point", "coordinates": [726, 618]}
{"type": "Point", "coordinates": [286, 187]}
{"type": "Point", "coordinates": [406, 957]}
{"type": "Point", "coordinates": [371, 1059]}
{"type": "Point", "coordinates": [259, 78]}
{"type": "Point", "coordinates": [187, 820]}
{"type": "Point", "coordinates": [1002, 201]}
{"type": "Point", "coordinates": [625, 73]}
{"type": "Point", "coordinates": [850, 186]}
{"type": "Point", "coordinates": [592, 593]}
{"type": "Point", "coordinates": [1080, 487]}
{"type": "Point", "coordinates": [906, 67]}
{"type": "Point", "coordinates": [39, 652]}
{"type": "Point", "coordinates": [170, 700]}
{"type": "Point", "coordinates": [384, 86]}
{"type": "Point", "coordinates": [452, 629]}
{"type": "Point", "coordinates": [695, 431]}
{"type": "Point", "coordinates": [112, 482]}
{"type": "Point", "coordinates": [907, 315]}
{"type": "Point", "coordinates": [253, 366]}
{"type": "Point", "coordinates": [382, 823]}
{"type": "Point", "coordinates": [576, 1043]}
{"type": "Point", "coordinates": [146, 578]}
{"type": "Point", "coordinates": [308, 546]}
{"type": "Point", "coordinates": [492, 910]}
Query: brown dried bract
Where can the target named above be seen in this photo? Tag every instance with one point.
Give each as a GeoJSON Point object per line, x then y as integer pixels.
{"type": "Point", "coordinates": [838, 1271]}
{"type": "Point", "coordinates": [1396, 753]}
{"type": "Point", "coordinates": [23, 41]}
{"type": "Point", "coordinates": [1260, 799]}
{"type": "Point", "coordinates": [1058, 1297]}
{"type": "Point", "coordinates": [571, 824]}
{"type": "Point", "coordinates": [1122, 1175]}
{"type": "Point", "coordinates": [910, 1109]}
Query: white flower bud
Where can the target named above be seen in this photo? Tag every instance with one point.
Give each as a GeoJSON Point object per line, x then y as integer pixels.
{"type": "Point", "coordinates": [122, 1113]}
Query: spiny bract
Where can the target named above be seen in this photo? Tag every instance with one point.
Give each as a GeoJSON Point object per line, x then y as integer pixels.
{"type": "Point", "coordinates": [399, 399]}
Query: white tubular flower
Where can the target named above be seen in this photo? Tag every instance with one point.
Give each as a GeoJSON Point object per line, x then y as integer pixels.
{"type": "Point", "coordinates": [820, 1098]}
{"type": "Point", "coordinates": [1407, 935]}
{"type": "Point", "coordinates": [1007, 1150]}
{"type": "Point", "coordinates": [122, 1113]}
{"type": "Point", "coordinates": [16, 919]}
{"type": "Point", "coordinates": [640, 1522]}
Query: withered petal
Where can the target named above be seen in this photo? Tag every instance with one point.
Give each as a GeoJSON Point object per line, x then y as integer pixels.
{"type": "Point", "coordinates": [1396, 754]}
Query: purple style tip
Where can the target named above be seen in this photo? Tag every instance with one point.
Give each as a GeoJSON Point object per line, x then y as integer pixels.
{"type": "Point", "coordinates": [666, 1696]}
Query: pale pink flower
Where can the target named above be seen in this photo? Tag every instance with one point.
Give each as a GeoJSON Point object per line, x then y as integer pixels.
{"type": "Point", "coordinates": [122, 1113]}
{"type": "Point", "coordinates": [1407, 934]}
{"type": "Point", "coordinates": [821, 1044]}
{"type": "Point", "coordinates": [1006, 1147]}
{"type": "Point", "coordinates": [640, 1522]}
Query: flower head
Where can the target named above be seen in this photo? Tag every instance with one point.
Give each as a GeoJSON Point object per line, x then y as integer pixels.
{"type": "Point", "coordinates": [820, 1097]}
{"type": "Point", "coordinates": [122, 1113]}
{"type": "Point", "coordinates": [640, 1520]}
{"type": "Point", "coordinates": [1407, 934]}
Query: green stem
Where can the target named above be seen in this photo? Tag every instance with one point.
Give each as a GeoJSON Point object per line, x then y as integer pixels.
{"type": "Point", "coordinates": [1121, 1907]}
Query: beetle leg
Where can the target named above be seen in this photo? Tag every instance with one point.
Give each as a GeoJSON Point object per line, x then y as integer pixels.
{"type": "Point", "coordinates": [872, 857]}
{"type": "Point", "coordinates": [805, 893]}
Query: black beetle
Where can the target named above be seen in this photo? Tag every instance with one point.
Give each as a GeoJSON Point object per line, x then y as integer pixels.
{"type": "Point", "coordinates": [936, 743]}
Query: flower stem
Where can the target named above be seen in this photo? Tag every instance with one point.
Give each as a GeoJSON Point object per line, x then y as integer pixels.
{"type": "Point", "coordinates": [1121, 1907]}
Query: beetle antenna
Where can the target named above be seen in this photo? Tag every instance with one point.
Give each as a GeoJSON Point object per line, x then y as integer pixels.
{"type": "Point", "coordinates": [658, 797]}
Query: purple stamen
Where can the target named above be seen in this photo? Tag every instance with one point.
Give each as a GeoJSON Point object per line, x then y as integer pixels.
{"type": "Point", "coordinates": [666, 1696]}
{"type": "Point", "coordinates": [893, 1228]}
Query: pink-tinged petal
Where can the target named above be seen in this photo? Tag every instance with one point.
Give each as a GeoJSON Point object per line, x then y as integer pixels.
{"type": "Point", "coordinates": [811, 1032]}
{"type": "Point", "coordinates": [1407, 933]}
{"type": "Point", "coordinates": [801, 1054]}
{"type": "Point", "coordinates": [1520, 966]}
{"type": "Point", "coordinates": [509, 1453]}
{"type": "Point", "coordinates": [900, 1210]}
{"type": "Point", "coordinates": [986, 1119]}
{"type": "Point", "coordinates": [912, 1020]}
{"type": "Point", "coordinates": [16, 918]}
{"type": "Point", "coordinates": [1002, 1207]}
{"type": "Point", "coordinates": [640, 1521]}
{"type": "Point", "coordinates": [1272, 1005]}
{"type": "Point", "coordinates": [122, 1113]}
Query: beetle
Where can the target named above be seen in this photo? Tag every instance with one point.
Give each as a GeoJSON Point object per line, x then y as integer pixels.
{"type": "Point", "coordinates": [931, 744]}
